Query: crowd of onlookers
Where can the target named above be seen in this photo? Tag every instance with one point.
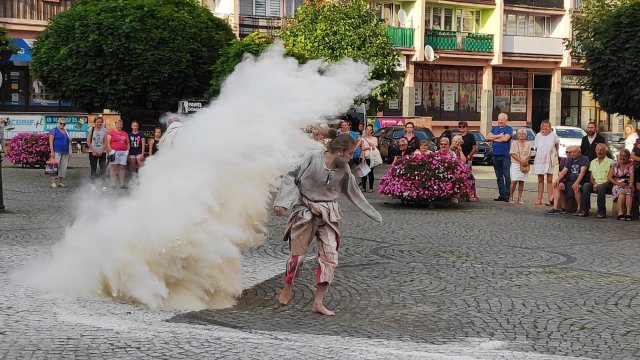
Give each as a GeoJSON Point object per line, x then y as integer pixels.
{"type": "Point", "coordinates": [114, 149]}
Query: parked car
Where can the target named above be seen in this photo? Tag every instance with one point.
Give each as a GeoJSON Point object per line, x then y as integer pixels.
{"type": "Point", "coordinates": [484, 153]}
{"type": "Point", "coordinates": [569, 135]}
{"type": "Point", "coordinates": [388, 140]}
{"type": "Point", "coordinates": [615, 142]}
{"type": "Point", "coordinates": [531, 137]}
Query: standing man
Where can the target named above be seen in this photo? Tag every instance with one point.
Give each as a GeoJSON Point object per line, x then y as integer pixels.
{"type": "Point", "coordinates": [500, 138]}
{"type": "Point", "coordinates": [589, 142]}
{"type": "Point", "coordinates": [599, 183]}
{"type": "Point", "coordinates": [469, 148]}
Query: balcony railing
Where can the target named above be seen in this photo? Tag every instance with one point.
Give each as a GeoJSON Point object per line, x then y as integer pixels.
{"type": "Point", "coordinates": [401, 37]}
{"type": "Point", "coordinates": [559, 4]}
{"type": "Point", "coordinates": [32, 9]}
{"type": "Point", "coordinates": [459, 41]}
{"type": "Point", "coordinates": [264, 24]}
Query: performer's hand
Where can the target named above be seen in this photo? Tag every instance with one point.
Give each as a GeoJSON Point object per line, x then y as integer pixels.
{"type": "Point", "coordinates": [279, 210]}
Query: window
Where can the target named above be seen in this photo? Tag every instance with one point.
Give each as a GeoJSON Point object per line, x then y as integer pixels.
{"type": "Point", "coordinates": [389, 14]}
{"type": "Point", "coordinates": [527, 25]}
{"type": "Point", "coordinates": [461, 20]}
{"type": "Point", "coordinates": [260, 7]}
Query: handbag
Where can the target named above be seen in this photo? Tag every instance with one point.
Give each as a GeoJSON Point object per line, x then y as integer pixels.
{"type": "Point", "coordinates": [525, 168]}
{"type": "Point", "coordinates": [375, 158]}
{"type": "Point", "coordinates": [361, 170]}
{"type": "Point", "coordinates": [51, 167]}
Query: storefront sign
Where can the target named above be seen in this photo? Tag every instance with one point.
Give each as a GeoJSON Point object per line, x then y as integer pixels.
{"type": "Point", "coordinates": [394, 104]}
{"type": "Point", "coordinates": [191, 106]}
{"type": "Point", "coordinates": [77, 126]}
{"type": "Point", "coordinates": [572, 81]}
{"type": "Point", "coordinates": [518, 100]}
{"type": "Point", "coordinates": [390, 121]}
{"type": "Point", "coordinates": [18, 124]}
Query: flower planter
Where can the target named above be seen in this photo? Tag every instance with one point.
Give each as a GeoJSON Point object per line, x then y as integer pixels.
{"type": "Point", "coordinates": [29, 150]}
{"type": "Point", "coordinates": [433, 180]}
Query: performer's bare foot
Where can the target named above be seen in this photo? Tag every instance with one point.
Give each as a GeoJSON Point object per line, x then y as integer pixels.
{"type": "Point", "coordinates": [320, 309]}
{"type": "Point", "coordinates": [285, 294]}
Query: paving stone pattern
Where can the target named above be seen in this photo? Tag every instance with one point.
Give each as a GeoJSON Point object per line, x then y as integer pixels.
{"type": "Point", "coordinates": [444, 283]}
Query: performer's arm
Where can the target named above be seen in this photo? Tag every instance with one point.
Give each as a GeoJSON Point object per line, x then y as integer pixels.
{"type": "Point", "coordinates": [351, 190]}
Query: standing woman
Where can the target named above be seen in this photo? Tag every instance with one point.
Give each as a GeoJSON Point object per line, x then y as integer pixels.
{"type": "Point", "coordinates": [368, 142]}
{"type": "Point", "coordinates": [520, 153]}
{"type": "Point", "coordinates": [59, 146]}
{"type": "Point", "coordinates": [546, 145]}
{"type": "Point", "coordinates": [413, 143]}
{"type": "Point", "coordinates": [97, 143]}
{"type": "Point", "coordinates": [136, 147]}
{"type": "Point", "coordinates": [155, 140]}
{"type": "Point", "coordinates": [310, 190]}
{"type": "Point", "coordinates": [630, 137]}
{"type": "Point", "coordinates": [118, 145]}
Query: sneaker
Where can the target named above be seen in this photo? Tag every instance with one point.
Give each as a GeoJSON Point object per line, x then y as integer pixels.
{"type": "Point", "coordinates": [62, 185]}
{"type": "Point", "coordinates": [601, 216]}
{"type": "Point", "coordinates": [123, 187]}
{"type": "Point", "coordinates": [583, 214]}
{"type": "Point", "coordinates": [53, 185]}
{"type": "Point", "coordinates": [500, 198]}
{"type": "Point", "coordinates": [554, 212]}
{"type": "Point", "coordinates": [104, 188]}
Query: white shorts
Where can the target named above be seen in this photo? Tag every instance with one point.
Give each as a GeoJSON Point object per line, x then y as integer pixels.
{"type": "Point", "coordinates": [121, 157]}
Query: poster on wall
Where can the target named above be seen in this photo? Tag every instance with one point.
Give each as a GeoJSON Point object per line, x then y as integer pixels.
{"type": "Point", "coordinates": [394, 104]}
{"type": "Point", "coordinates": [502, 98]}
{"type": "Point", "coordinates": [431, 96]}
{"type": "Point", "coordinates": [467, 99]}
{"type": "Point", "coordinates": [77, 126]}
{"type": "Point", "coordinates": [19, 124]}
{"type": "Point", "coordinates": [519, 100]}
{"type": "Point", "coordinates": [450, 92]}
{"type": "Point", "coordinates": [418, 90]}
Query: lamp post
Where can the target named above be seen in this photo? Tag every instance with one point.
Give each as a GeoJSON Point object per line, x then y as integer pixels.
{"type": "Point", "coordinates": [1, 194]}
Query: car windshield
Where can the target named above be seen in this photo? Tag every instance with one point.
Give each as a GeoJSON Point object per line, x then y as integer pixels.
{"type": "Point", "coordinates": [478, 135]}
{"type": "Point", "coordinates": [613, 137]}
{"type": "Point", "coordinates": [569, 133]}
{"type": "Point", "coordinates": [421, 135]}
{"type": "Point", "coordinates": [530, 134]}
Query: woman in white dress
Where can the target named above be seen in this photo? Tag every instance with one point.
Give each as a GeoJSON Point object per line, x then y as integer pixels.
{"type": "Point", "coordinates": [546, 145]}
{"type": "Point", "coordinates": [520, 153]}
{"type": "Point", "coordinates": [630, 137]}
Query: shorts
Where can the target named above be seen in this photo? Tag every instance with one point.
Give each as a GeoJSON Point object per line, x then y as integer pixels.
{"type": "Point", "coordinates": [121, 157]}
{"type": "Point", "coordinates": [568, 190]}
{"type": "Point", "coordinates": [135, 156]}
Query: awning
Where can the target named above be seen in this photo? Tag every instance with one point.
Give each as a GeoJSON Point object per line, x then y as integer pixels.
{"type": "Point", "coordinates": [24, 49]}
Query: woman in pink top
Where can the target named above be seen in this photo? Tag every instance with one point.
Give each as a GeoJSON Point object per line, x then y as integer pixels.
{"type": "Point", "coordinates": [118, 148]}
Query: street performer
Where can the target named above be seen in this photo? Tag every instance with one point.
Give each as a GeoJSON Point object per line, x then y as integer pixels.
{"type": "Point", "coordinates": [311, 189]}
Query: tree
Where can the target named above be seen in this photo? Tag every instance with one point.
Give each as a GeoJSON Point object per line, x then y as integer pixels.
{"type": "Point", "coordinates": [606, 34]}
{"type": "Point", "coordinates": [333, 30]}
{"type": "Point", "coordinates": [6, 47]}
{"type": "Point", "coordinates": [130, 54]}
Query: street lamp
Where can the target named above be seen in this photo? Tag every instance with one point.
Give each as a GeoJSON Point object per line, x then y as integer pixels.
{"type": "Point", "coordinates": [1, 195]}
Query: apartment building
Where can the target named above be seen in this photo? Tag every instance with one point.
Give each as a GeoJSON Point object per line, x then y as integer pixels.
{"type": "Point", "coordinates": [473, 59]}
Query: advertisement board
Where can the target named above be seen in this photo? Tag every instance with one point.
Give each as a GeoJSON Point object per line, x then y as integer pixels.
{"type": "Point", "coordinates": [77, 126]}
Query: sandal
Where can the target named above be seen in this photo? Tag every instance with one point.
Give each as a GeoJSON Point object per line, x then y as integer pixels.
{"type": "Point", "coordinates": [628, 218]}
{"type": "Point", "coordinates": [539, 202]}
{"type": "Point", "coordinates": [511, 201]}
{"type": "Point", "coordinates": [622, 217]}
{"type": "Point", "coordinates": [520, 201]}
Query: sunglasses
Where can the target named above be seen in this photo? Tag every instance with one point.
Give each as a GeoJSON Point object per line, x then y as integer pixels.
{"type": "Point", "coordinates": [462, 127]}
{"type": "Point", "coordinates": [63, 124]}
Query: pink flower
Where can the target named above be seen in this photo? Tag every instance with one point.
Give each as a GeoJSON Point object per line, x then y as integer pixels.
{"type": "Point", "coordinates": [28, 149]}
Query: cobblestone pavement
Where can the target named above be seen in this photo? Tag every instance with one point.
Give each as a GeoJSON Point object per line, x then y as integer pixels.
{"type": "Point", "coordinates": [480, 281]}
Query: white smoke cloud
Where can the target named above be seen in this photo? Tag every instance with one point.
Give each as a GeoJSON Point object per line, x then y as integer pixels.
{"type": "Point", "coordinates": [175, 241]}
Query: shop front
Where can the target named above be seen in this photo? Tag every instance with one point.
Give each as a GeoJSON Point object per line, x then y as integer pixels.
{"type": "Point", "coordinates": [579, 108]}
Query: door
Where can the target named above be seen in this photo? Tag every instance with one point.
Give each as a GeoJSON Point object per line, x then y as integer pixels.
{"type": "Point", "coordinates": [540, 99]}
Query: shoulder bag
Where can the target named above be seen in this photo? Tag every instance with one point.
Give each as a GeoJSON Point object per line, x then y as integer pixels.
{"type": "Point", "coordinates": [375, 158]}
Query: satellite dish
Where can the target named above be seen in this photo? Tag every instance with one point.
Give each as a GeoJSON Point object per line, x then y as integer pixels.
{"type": "Point", "coordinates": [402, 17]}
{"type": "Point", "coordinates": [429, 54]}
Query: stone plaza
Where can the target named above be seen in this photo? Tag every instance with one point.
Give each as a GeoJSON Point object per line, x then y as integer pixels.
{"type": "Point", "coordinates": [481, 280]}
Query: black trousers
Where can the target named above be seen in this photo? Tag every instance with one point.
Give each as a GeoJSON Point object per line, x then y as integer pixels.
{"type": "Point", "coordinates": [94, 161]}
{"type": "Point", "coordinates": [368, 176]}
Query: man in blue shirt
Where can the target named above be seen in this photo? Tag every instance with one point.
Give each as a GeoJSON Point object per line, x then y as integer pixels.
{"type": "Point", "coordinates": [500, 138]}
{"type": "Point", "coordinates": [569, 181]}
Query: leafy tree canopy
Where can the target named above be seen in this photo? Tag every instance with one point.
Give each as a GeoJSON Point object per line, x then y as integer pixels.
{"type": "Point", "coordinates": [6, 47]}
{"type": "Point", "coordinates": [610, 46]}
{"type": "Point", "coordinates": [130, 54]}
{"type": "Point", "coordinates": [334, 30]}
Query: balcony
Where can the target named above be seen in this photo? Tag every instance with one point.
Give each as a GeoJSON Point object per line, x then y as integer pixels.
{"type": "Point", "coordinates": [532, 45]}
{"type": "Point", "coordinates": [264, 24]}
{"type": "Point", "coordinates": [32, 9]}
{"type": "Point", "coordinates": [459, 41]}
{"type": "Point", "coordinates": [557, 4]}
{"type": "Point", "coordinates": [401, 37]}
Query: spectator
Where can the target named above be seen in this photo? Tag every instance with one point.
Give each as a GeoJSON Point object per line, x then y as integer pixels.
{"type": "Point", "coordinates": [345, 128]}
{"type": "Point", "coordinates": [456, 148]}
{"type": "Point", "coordinates": [60, 146]}
{"type": "Point", "coordinates": [621, 175]}
{"type": "Point", "coordinates": [546, 145]}
{"type": "Point", "coordinates": [368, 142]}
{"type": "Point", "coordinates": [424, 148]}
{"type": "Point", "coordinates": [567, 185]}
{"type": "Point", "coordinates": [598, 183]}
{"type": "Point", "coordinates": [469, 148]}
{"type": "Point", "coordinates": [136, 147]}
{"type": "Point", "coordinates": [403, 151]}
{"type": "Point", "coordinates": [413, 143]}
{"type": "Point", "coordinates": [445, 148]}
{"type": "Point", "coordinates": [155, 141]}
{"type": "Point", "coordinates": [118, 147]}
{"type": "Point", "coordinates": [520, 152]}
{"type": "Point", "coordinates": [500, 138]}
{"type": "Point", "coordinates": [589, 141]}
{"type": "Point", "coordinates": [97, 143]}
{"type": "Point", "coordinates": [630, 137]}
